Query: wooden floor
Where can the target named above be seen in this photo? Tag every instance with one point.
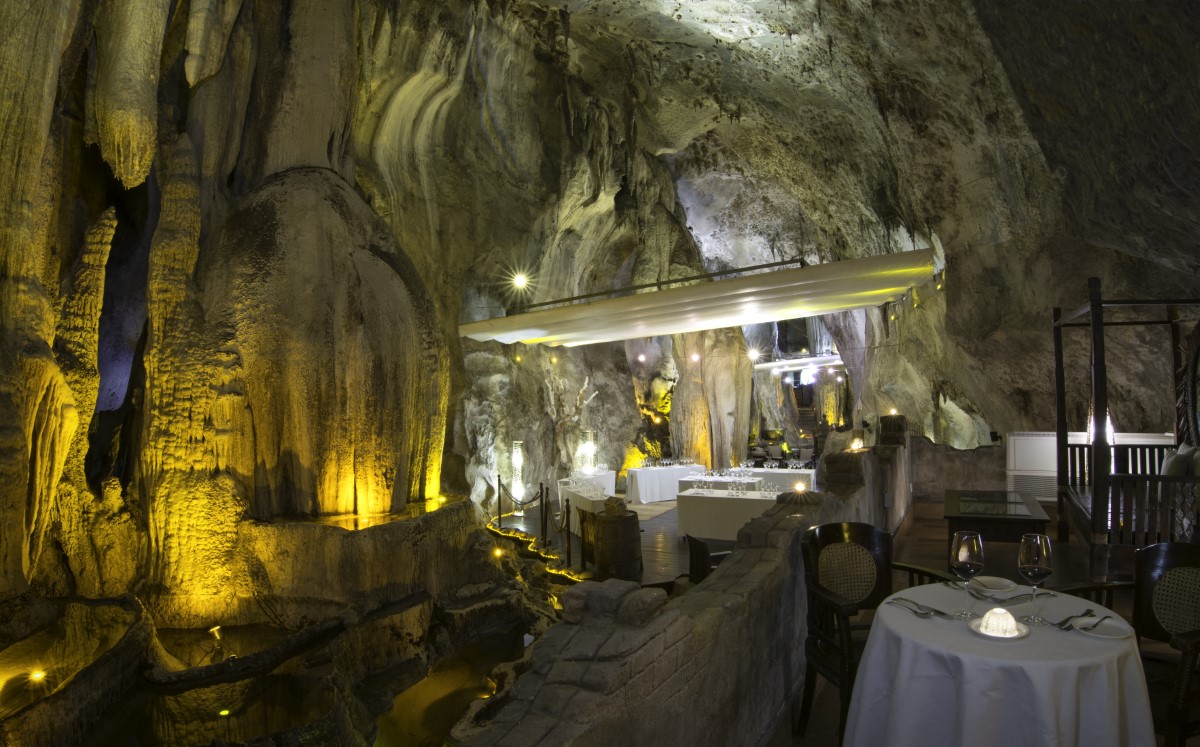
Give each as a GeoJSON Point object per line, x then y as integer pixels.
{"type": "Point", "coordinates": [921, 540]}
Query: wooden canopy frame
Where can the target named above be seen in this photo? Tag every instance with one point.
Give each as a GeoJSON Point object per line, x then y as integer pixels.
{"type": "Point", "coordinates": [1098, 460]}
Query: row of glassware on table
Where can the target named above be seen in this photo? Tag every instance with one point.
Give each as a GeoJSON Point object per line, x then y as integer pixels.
{"type": "Point", "coordinates": [681, 462]}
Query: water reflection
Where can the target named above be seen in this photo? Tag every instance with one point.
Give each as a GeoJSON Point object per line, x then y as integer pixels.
{"type": "Point", "coordinates": [423, 715]}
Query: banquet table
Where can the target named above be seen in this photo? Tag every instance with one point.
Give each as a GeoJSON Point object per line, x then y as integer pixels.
{"type": "Point", "coordinates": [783, 479]}
{"type": "Point", "coordinates": [719, 483]}
{"type": "Point", "coordinates": [719, 514]}
{"type": "Point", "coordinates": [604, 480]}
{"type": "Point", "coordinates": [586, 496]}
{"type": "Point", "coordinates": [653, 484]}
{"type": "Point", "coordinates": [933, 681]}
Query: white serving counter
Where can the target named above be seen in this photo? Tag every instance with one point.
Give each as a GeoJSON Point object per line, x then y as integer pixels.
{"type": "Point", "coordinates": [653, 484]}
{"type": "Point", "coordinates": [720, 483]}
{"type": "Point", "coordinates": [605, 481]}
{"type": "Point", "coordinates": [783, 479]}
{"type": "Point", "coordinates": [719, 514]}
{"type": "Point", "coordinates": [586, 497]}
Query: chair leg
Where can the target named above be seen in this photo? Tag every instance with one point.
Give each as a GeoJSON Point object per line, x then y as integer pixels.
{"type": "Point", "coordinates": [810, 684]}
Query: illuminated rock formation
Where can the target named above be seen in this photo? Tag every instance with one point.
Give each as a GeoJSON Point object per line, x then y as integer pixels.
{"type": "Point", "coordinates": [129, 42]}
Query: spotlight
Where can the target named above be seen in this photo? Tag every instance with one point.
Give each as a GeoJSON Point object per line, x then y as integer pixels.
{"type": "Point", "coordinates": [799, 487]}
{"type": "Point", "coordinates": [223, 712]}
{"type": "Point", "coordinates": [498, 552]}
{"type": "Point", "coordinates": [37, 675]}
{"type": "Point", "coordinates": [553, 359]}
{"type": "Point", "coordinates": [892, 411]}
{"type": "Point", "coordinates": [641, 357]}
{"type": "Point", "coordinates": [520, 280]}
{"type": "Point", "coordinates": [753, 354]}
{"type": "Point", "coordinates": [695, 357]}
{"type": "Point", "coordinates": [517, 358]}
{"type": "Point", "coordinates": [840, 379]}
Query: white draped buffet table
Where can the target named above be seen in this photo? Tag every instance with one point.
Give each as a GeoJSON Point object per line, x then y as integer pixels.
{"type": "Point", "coordinates": [587, 496]}
{"type": "Point", "coordinates": [653, 484]}
{"type": "Point", "coordinates": [719, 514]}
{"type": "Point", "coordinates": [784, 479]}
{"type": "Point", "coordinates": [605, 481]}
{"type": "Point", "coordinates": [719, 483]}
{"type": "Point", "coordinates": [934, 681]}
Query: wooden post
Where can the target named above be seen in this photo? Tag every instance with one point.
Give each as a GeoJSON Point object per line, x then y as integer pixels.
{"type": "Point", "coordinates": [1060, 401]}
{"type": "Point", "coordinates": [1179, 379]}
{"type": "Point", "coordinates": [1101, 449]}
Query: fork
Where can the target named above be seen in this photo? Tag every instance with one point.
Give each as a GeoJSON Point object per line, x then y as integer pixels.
{"type": "Point", "coordinates": [1092, 626]}
{"type": "Point", "coordinates": [1065, 623]}
{"type": "Point", "coordinates": [914, 610]}
{"type": "Point", "coordinates": [922, 607]}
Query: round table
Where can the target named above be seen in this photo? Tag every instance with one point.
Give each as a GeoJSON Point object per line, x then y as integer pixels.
{"type": "Point", "coordinates": [933, 681]}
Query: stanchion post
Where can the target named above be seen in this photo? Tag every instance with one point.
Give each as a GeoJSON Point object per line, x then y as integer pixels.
{"type": "Point", "coordinates": [542, 506]}
{"type": "Point", "coordinates": [567, 527]}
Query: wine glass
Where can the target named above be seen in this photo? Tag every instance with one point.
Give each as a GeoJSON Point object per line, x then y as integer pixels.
{"type": "Point", "coordinates": [1034, 559]}
{"type": "Point", "coordinates": [966, 560]}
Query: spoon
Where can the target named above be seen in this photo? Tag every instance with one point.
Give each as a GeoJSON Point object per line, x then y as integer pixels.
{"type": "Point", "coordinates": [1092, 626]}
{"type": "Point", "coordinates": [1065, 623]}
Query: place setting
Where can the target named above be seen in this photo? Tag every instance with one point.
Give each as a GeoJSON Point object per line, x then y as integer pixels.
{"type": "Point", "coordinates": [998, 608]}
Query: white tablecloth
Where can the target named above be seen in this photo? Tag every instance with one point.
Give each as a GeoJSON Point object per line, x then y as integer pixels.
{"type": "Point", "coordinates": [718, 514]}
{"type": "Point", "coordinates": [936, 682]}
{"type": "Point", "coordinates": [653, 484]}
{"type": "Point", "coordinates": [587, 497]}
{"type": "Point", "coordinates": [605, 481]}
{"type": "Point", "coordinates": [784, 479]}
{"type": "Point", "coordinates": [720, 483]}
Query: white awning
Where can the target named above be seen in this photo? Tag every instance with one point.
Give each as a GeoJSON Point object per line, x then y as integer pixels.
{"type": "Point", "coordinates": [751, 299]}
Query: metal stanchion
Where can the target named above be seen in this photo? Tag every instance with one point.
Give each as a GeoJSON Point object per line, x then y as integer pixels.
{"type": "Point", "coordinates": [567, 527]}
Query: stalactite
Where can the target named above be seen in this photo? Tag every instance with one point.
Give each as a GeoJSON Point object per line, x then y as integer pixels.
{"type": "Point", "coordinates": [209, 24]}
{"type": "Point", "coordinates": [129, 38]}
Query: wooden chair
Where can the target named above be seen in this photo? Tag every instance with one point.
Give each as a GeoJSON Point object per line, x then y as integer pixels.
{"type": "Point", "coordinates": [847, 569]}
{"type": "Point", "coordinates": [701, 560]}
{"type": "Point", "coordinates": [1166, 608]}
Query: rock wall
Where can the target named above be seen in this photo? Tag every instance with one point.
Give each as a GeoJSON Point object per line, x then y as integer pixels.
{"type": "Point", "coordinates": [936, 468]}
{"type": "Point", "coordinates": [627, 665]}
{"type": "Point", "coordinates": [332, 188]}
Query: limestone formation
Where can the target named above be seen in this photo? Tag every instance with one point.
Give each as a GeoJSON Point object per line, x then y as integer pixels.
{"type": "Point", "coordinates": [129, 42]}
{"type": "Point", "coordinates": [318, 193]}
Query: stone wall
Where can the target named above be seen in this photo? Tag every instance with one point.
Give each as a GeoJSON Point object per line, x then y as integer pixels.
{"type": "Point", "coordinates": [720, 664]}
{"type": "Point", "coordinates": [278, 571]}
{"type": "Point", "coordinates": [935, 468]}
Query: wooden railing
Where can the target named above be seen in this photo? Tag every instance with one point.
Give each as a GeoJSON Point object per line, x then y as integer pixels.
{"type": "Point", "coordinates": [1128, 459]}
{"type": "Point", "coordinates": [1146, 509]}
{"type": "Point", "coordinates": [1141, 507]}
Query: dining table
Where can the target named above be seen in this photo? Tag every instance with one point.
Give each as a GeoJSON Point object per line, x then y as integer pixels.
{"type": "Point", "coordinates": [604, 480]}
{"type": "Point", "coordinates": [718, 482]}
{"type": "Point", "coordinates": [653, 484]}
{"type": "Point", "coordinates": [719, 514]}
{"type": "Point", "coordinates": [933, 680]}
